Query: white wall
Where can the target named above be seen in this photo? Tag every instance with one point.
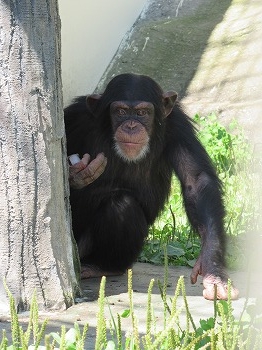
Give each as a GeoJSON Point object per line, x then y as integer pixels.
{"type": "Point", "coordinates": [91, 33]}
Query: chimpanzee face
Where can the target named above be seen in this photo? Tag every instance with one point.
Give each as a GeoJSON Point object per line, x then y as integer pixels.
{"type": "Point", "coordinates": [136, 106]}
{"type": "Point", "coordinates": [132, 124]}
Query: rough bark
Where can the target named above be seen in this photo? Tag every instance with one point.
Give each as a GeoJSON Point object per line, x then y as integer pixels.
{"type": "Point", "coordinates": [35, 230]}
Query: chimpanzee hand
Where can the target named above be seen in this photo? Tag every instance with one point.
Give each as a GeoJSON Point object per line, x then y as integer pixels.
{"type": "Point", "coordinates": [84, 173]}
{"type": "Point", "coordinates": [212, 279]}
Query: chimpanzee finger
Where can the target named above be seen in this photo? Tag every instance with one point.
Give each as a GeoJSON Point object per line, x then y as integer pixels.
{"type": "Point", "coordinates": [94, 169]}
{"type": "Point", "coordinates": [196, 270]}
{"type": "Point", "coordinates": [98, 164]}
{"type": "Point", "coordinates": [77, 167]}
{"type": "Point", "coordinates": [86, 159]}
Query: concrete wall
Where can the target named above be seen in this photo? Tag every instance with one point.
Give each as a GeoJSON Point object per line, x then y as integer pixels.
{"type": "Point", "coordinates": [91, 33]}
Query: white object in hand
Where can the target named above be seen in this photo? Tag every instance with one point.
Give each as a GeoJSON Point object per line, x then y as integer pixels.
{"type": "Point", "coordinates": [74, 158]}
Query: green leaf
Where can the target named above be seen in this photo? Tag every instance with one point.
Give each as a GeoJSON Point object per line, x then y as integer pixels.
{"type": "Point", "coordinates": [126, 313]}
{"type": "Point", "coordinates": [174, 251]}
{"type": "Point", "coordinates": [207, 324]}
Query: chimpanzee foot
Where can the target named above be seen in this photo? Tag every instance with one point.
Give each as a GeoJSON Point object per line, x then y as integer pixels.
{"type": "Point", "coordinates": [209, 283]}
{"type": "Point", "coordinates": [89, 271]}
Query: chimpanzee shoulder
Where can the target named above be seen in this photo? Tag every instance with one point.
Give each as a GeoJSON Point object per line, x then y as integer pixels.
{"type": "Point", "coordinates": [180, 123]}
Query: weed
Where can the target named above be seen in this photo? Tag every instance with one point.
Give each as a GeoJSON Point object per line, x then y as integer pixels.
{"type": "Point", "coordinates": [220, 331]}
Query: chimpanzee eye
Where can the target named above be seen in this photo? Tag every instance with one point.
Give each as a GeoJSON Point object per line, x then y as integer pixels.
{"type": "Point", "coordinates": [121, 111]}
{"type": "Point", "coordinates": [141, 112]}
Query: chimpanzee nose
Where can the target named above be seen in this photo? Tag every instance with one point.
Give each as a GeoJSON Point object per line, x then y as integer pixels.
{"type": "Point", "coordinates": [130, 125]}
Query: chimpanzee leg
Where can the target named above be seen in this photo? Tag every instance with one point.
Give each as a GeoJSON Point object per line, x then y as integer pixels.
{"type": "Point", "coordinates": [116, 234]}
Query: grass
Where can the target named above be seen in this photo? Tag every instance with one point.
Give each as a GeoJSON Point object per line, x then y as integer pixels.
{"type": "Point", "coordinates": [231, 155]}
{"type": "Point", "coordinates": [222, 330]}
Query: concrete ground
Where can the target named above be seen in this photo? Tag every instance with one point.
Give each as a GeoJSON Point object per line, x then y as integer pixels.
{"type": "Point", "coordinates": [210, 52]}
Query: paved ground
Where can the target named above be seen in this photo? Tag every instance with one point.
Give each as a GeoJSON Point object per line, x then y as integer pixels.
{"type": "Point", "coordinates": [210, 52]}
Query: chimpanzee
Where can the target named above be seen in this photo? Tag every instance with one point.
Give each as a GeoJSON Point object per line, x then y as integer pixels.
{"type": "Point", "coordinates": [144, 136]}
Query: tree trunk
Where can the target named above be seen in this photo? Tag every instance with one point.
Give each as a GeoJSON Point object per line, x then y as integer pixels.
{"type": "Point", "coordinates": [36, 251]}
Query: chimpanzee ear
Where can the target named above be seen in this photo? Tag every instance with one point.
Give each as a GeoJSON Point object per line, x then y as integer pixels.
{"type": "Point", "coordinates": [169, 99]}
{"type": "Point", "coordinates": [91, 100]}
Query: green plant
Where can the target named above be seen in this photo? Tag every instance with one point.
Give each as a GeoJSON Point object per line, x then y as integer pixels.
{"type": "Point", "coordinates": [34, 335]}
{"type": "Point", "coordinates": [21, 338]}
{"type": "Point", "coordinates": [73, 339]}
{"type": "Point", "coordinates": [228, 148]}
{"type": "Point", "coordinates": [220, 331]}
{"type": "Point", "coordinates": [101, 323]}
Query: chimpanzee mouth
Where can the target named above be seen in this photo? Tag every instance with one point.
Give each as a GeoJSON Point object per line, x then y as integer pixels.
{"type": "Point", "coordinates": [131, 143]}
{"type": "Point", "coordinates": [131, 157]}
{"type": "Point", "coordinates": [126, 142]}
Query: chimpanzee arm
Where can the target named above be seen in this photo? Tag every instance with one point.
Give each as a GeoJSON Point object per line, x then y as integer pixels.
{"type": "Point", "coordinates": [202, 199]}
{"type": "Point", "coordinates": [202, 196]}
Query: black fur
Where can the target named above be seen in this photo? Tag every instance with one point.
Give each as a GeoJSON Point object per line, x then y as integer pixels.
{"type": "Point", "coordinates": [111, 216]}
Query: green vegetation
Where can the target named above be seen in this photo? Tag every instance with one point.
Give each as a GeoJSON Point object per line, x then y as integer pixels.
{"type": "Point", "coordinates": [35, 332]}
{"type": "Point", "coordinates": [231, 155]}
{"type": "Point", "coordinates": [221, 331]}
